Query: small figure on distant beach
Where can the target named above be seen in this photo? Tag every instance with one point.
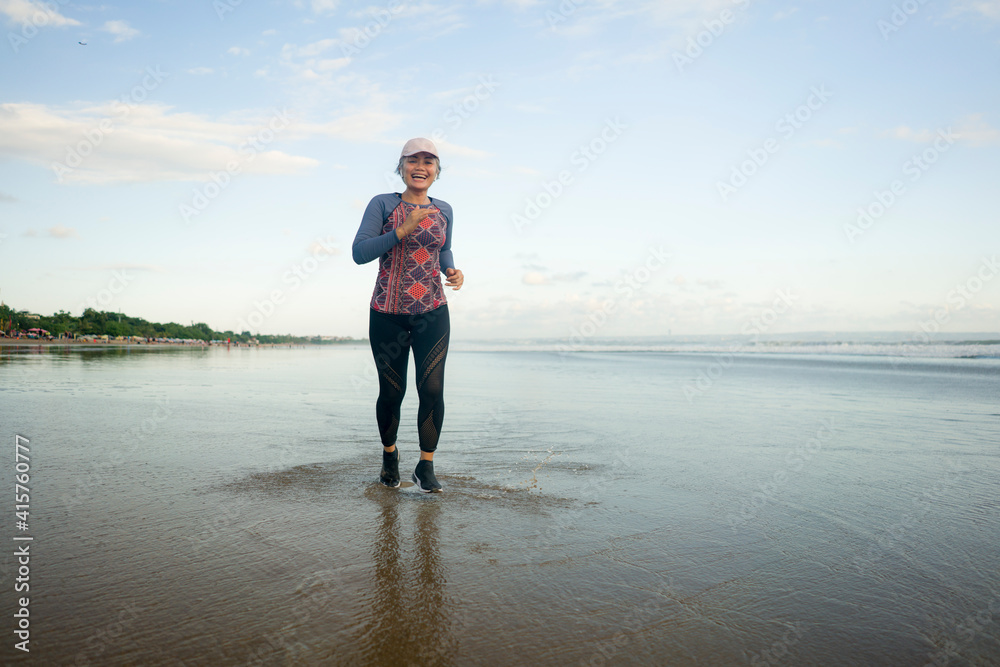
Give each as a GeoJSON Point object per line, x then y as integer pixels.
{"type": "Point", "coordinates": [410, 234]}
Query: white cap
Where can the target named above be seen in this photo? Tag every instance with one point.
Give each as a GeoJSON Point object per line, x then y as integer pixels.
{"type": "Point", "coordinates": [419, 145]}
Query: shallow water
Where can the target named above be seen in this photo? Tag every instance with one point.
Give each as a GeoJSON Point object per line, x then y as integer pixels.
{"type": "Point", "coordinates": [220, 508]}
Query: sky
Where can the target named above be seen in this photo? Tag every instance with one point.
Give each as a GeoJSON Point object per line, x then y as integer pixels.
{"type": "Point", "coordinates": [615, 168]}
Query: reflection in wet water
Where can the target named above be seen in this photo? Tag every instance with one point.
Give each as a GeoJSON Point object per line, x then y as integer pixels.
{"type": "Point", "coordinates": [409, 620]}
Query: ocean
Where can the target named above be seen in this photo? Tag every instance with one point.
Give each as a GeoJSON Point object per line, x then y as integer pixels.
{"type": "Point", "coordinates": [664, 502]}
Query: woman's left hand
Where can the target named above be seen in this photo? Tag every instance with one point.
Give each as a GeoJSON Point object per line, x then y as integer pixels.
{"type": "Point", "coordinates": [455, 278]}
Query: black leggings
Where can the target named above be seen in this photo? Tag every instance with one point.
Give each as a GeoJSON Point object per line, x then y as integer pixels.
{"type": "Point", "coordinates": [391, 337]}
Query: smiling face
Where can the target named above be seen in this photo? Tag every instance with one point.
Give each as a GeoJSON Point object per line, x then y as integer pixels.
{"type": "Point", "coordinates": [419, 171]}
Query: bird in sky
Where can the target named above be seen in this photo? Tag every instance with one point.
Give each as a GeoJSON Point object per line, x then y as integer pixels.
{"type": "Point", "coordinates": [82, 43]}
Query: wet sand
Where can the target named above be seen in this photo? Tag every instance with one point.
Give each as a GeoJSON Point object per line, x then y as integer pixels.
{"type": "Point", "coordinates": [221, 509]}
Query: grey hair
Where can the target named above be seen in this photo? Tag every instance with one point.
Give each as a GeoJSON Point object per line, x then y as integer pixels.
{"type": "Point", "coordinates": [437, 163]}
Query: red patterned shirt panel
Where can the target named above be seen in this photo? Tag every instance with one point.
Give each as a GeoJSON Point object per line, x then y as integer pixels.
{"type": "Point", "coordinates": [409, 276]}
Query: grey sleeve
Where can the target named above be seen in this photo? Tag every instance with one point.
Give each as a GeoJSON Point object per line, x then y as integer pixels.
{"type": "Point", "coordinates": [370, 243]}
{"type": "Point", "coordinates": [445, 258]}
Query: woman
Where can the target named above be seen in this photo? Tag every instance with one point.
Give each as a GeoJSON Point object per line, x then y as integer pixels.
{"type": "Point", "coordinates": [410, 234]}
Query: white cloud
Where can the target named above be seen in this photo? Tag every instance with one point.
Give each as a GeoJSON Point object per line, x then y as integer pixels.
{"type": "Point", "coordinates": [36, 13]}
{"type": "Point", "coordinates": [684, 17]}
{"type": "Point", "coordinates": [427, 19]}
{"type": "Point", "coordinates": [521, 4]}
{"type": "Point", "coordinates": [971, 130]}
{"type": "Point", "coordinates": [237, 51]}
{"type": "Point", "coordinates": [60, 232]}
{"type": "Point", "coordinates": [531, 108]}
{"type": "Point", "coordinates": [906, 133]}
{"type": "Point", "coordinates": [366, 125]}
{"type": "Point", "coordinates": [144, 143]}
{"type": "Point", "coordinates": [988, 8]}
{"type": "Point", "coordinates": [151, 142]}
{"type": "Point", "coordinates": [330, 64]}
{"type": "Point", "coordinates": [324, 6]}
{"type": "Point", "coordinates": [976, 131]}
{"type": "Point", "coordinates": [448, 149]}
{"type": "Point", "coordinates": [539, 277]}
{"type": "Point", "coordinates": [121, 30]}
{"type": "Point", "coordinates": [304, 64]}
{"type": "Point", "coordinates": [314, 49]}
{"type": "Point", "coordinates": [823, 143]}
{"type": "Point", "coordinates": [154, 268]}
{"type": "Point", "coordinates": [200, 70]}
{"type": "Point", "coordinates": [353, 108]}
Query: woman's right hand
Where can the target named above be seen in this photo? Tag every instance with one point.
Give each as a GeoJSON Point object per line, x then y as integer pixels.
{"type": "Point", "coordinates": [413, 221]}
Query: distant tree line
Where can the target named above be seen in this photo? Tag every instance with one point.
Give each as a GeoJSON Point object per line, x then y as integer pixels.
{"type": "Point", "coordinates": [103, 323]}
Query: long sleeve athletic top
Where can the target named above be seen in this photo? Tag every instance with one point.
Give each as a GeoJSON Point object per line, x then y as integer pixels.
{"type": "Point", "coordinates": [409, 277]}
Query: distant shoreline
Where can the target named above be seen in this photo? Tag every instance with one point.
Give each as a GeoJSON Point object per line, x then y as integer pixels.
{"type": "Point", "coordinates": [33, 342]}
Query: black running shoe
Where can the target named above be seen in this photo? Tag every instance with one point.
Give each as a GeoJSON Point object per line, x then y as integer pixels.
{"type": "Point", "coordinates": [390, 468]}
{"type": "Point", "coordinates": [424, 477]}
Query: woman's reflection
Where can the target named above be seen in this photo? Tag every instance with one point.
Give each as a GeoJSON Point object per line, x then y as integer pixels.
{"type": "Point", "coordinates": [409, 623]}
